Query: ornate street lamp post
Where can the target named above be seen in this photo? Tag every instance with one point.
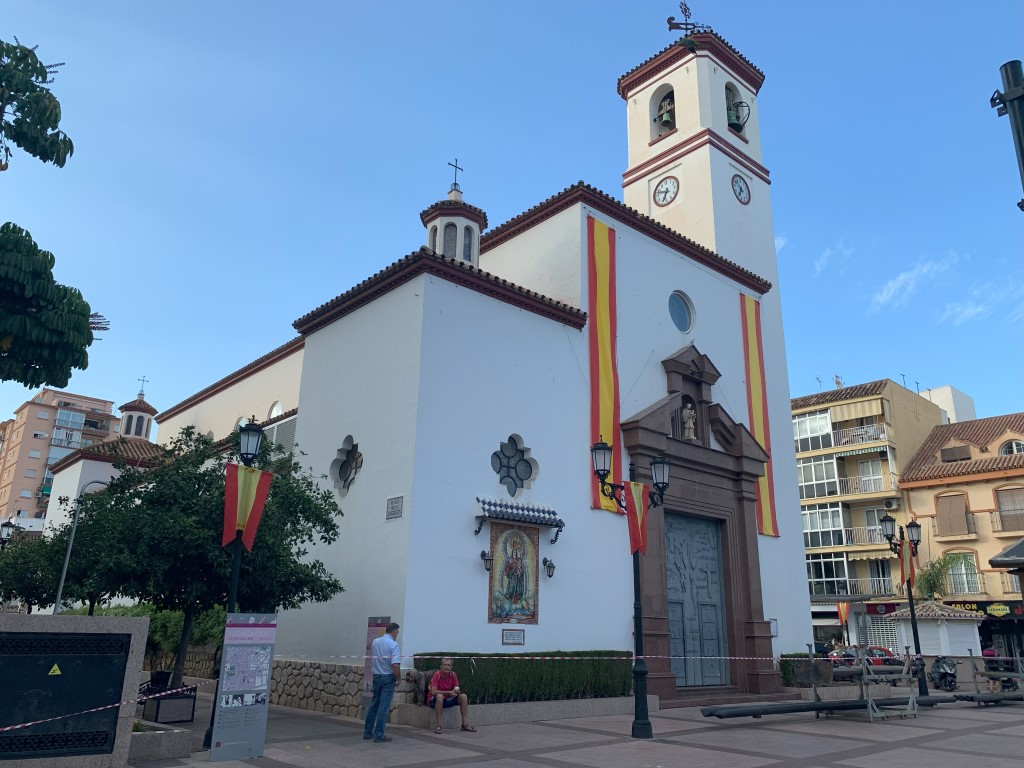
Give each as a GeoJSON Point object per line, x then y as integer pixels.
{"type": "Point", "coordinates": [71, 541]}
{"type": "Point", "coordinates": [898, 545]}
{"type": "Point", "coordinates": [601, 455]}
{"type": "Point", "coordinates": [7, 529]}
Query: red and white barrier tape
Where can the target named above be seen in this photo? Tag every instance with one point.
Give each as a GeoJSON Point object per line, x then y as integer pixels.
{"type": "Point", "coordinates": [136, 700]}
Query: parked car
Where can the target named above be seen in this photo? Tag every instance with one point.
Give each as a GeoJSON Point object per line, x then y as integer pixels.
{"type": "Point", "coordinates": [842, 658]}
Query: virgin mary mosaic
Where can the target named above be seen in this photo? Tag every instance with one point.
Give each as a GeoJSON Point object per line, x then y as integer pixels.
{"type": "Point", "coordinates": [513, 578]}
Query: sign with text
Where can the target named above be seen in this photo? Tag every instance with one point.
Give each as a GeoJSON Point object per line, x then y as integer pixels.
{"type": "Point", "coordinates": [243, 697]}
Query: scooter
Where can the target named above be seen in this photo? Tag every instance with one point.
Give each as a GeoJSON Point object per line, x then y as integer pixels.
{"type": "Point", "coordinates": [943, 673]}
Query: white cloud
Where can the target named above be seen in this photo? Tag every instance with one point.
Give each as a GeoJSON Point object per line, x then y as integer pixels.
{"type": "Point", "coordinates": [780, 243]}
{"type": "Point", "coordinates": [899, 289]}
{"type": "Point", "coordinates": [983, 301]}
{"type": "Point", "coordinates": [839, 251]}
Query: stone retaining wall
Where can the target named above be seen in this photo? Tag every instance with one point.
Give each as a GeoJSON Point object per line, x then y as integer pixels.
{"type": "Point", "coordinates": [332, 688]}
{"type": "Point", "coordinates": [199, 662]}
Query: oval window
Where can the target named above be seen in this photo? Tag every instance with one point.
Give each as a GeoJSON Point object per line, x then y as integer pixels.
{"type": "Point", "coordinates": [681, 310]}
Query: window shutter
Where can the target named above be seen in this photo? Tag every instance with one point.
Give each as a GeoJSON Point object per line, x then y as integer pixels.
{"type": "Point", "coordinates": [951, 515]}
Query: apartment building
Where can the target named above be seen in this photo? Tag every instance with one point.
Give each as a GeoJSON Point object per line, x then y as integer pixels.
{"type": "Point", "coordinates": [965, 486]}
{"type": "Point", "coordinates": [850, 444]}
{"type": "Point", "coordinates": [45, 429]}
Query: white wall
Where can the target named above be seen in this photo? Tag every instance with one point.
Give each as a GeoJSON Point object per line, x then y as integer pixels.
{"type": "Point", "coordinates": [360, 379]}
{"type": "Point", "coordinates": [253, 395]}
{"type": "Point", "coordinates": [69, 482]}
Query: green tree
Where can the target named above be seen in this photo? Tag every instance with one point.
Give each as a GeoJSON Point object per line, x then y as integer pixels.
{"type": "Point", "coordinates": [29, 569]}
{"type": "Point", "coordinates": [44, 326]}
{"type": "Point", "coordinates": [930, 578]}
{"type": "Point", "coordinates": [30, 112]}
{"type": "Point", "coordinates": [159, 532]}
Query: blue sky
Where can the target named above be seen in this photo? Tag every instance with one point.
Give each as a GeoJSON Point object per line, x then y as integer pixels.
{"type": "Point", "coordinates": [227, 150]}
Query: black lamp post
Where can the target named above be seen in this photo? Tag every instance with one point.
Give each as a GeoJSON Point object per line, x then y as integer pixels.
{"type": "Point", "coordinates": [7, 529]}
{"type": "Point", "coordinates": [71, 541]}
{"type": "Point", "coordinates": [896, 544]}
{"type": "Point", "coordinates": [250, 436]}
{"type": "Point", "coordinates": [601, 454]}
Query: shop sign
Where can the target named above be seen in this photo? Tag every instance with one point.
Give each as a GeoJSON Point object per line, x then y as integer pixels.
{"type": "Point", "coordinates": [992, 608]}
{"type": "Point", "coordinates": [880, 609]}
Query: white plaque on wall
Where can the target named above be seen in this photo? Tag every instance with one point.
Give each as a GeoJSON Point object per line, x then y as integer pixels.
{"type": "Point", "coordinates": [394, 508]}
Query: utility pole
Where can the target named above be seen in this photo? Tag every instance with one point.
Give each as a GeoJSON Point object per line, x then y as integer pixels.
{"type": "Point", "coordinates": [1011, 102]}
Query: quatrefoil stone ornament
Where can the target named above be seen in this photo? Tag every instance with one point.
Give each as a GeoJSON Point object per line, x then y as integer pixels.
{"type": "Point", "coordinates": [512, 465]}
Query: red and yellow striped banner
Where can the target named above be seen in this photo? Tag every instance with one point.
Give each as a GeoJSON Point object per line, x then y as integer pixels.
{"type": "Point", "coordinates": [245, 495]}
{"type": "Point", "coordinates": [604, 376]}
{"type": "Point", "coordinates": [636, 496]}
{"type": "Point", "coordinates": [757, 406]}
{"type": "Point", "coordinates": [907, 564]}
{"type": "Point", "coordinates": [843, 609]}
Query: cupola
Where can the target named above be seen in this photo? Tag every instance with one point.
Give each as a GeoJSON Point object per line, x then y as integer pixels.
{"type": "Point", "coordinates": [137, 418]}
{"type": "Point", "coordinates": [454, 227]}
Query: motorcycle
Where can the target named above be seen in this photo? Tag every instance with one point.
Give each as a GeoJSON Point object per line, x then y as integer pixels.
{"type": "Point", "coordinates": [943, 673]}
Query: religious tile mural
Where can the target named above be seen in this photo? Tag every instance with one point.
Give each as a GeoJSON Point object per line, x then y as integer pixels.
{"type": "Point", "coordinates": [512, 597]}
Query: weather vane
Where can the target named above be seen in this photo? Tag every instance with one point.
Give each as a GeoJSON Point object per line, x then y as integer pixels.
{"type": "Point", "coordinates": [685, 26]}
{"type": "Point", "coordinates": [455, 183]}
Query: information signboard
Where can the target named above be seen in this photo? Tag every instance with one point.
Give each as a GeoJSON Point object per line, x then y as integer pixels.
{"type": "Point", "coordinates": [240, 724]}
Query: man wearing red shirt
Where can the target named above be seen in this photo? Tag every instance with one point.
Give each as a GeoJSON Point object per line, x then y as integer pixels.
{"type": "Point", "coordinates": [445, 692]}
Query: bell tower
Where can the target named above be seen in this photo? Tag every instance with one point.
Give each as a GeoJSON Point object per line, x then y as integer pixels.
{"type": "Point", "coordinates": [694, 149]}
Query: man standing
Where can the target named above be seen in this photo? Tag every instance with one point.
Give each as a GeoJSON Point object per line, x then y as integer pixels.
{"type": "Point", "coordinates": [385, 665]}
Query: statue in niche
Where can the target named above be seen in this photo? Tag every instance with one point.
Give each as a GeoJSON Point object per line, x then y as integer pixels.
{"type": "Point", "coordinates": [689, 423]}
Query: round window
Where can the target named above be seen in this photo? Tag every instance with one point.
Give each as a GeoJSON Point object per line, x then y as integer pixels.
{"type": "Point", "coordinates": [681, 310]}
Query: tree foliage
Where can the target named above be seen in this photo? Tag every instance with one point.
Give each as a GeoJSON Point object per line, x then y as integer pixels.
{"type": "Point", "coordinates": [44, 326]}
{"type": "Point", "coordinates": [29, 570]}
{"type": "Point", "coordinates": [30, 112]}
{"type": "Point", "coordinates": [155, 535]}
{"type": "Point", "coordinates": [930, 578]}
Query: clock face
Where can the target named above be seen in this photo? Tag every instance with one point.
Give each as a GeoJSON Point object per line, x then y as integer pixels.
{"type": "Point", "coordinates": [740, 189]}
{"type": "Point", "coordinates": [666, 191]}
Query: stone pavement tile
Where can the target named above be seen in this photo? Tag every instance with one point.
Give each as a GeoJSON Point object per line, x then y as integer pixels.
{"type": "Point", "coordinates": [982, 714]}
{"type": "Point", "coordinates": [982, 744]}
{"type": "Point", "coordinates": [658, 753]}
{"type": "Point", "coordinates": [622, 725]}
{"type": "Point", "coordinates": [765, 741]}
{"type": "Point", "coordinates": [916, 757]}
{"type": "Point", "coordinates": [946, 720]}
{"type": "Point", "coordinates": [850, 728]}
{"type": "Point", "coordinates": [515, 737]}
{"type": "Point", "coordinates": [404, 750]}
{"type": "Point", "coordinates": [1017, 730]}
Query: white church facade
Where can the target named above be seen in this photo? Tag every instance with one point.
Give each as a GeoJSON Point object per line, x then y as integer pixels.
{"type": "Point", "coordinates": [453, 397]}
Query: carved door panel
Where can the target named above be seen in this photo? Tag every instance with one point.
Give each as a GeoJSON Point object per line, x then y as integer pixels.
{"type": "Point", "coordinates": [693, 562]}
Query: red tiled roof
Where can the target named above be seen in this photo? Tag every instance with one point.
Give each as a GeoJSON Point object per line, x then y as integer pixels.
{"type": "Point", "coordinates": [454, 208]}
{"type": "Point", "coordinates": [133, 450]}
{"type": "Point", "coordinates": [930, 609]}
{"type": "Point", "coordinates": [598, 200]}
{"type": "Point", "coordinates": [709, 41]}
{"type": "Point", "coordinates": [458, 272]}
{"type": "Point", "coordinates": [138, 404]}
{"type": "Point", "coordinates": [927, 464]}
{"type": "Point", "coordinates": [839, 395]}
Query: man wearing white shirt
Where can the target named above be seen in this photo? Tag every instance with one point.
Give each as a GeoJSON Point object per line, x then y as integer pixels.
{"type": "Point", "coordinates": [385, 665]}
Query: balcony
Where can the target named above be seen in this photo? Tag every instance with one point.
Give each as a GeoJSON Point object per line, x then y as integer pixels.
{"type": "Point", "coordinates": [1010, 583]}
{"type": "Point", "coordinates": [91, 425]}
{"type": "Point", "coordinates": [1007, 520]}
{"type": "Point", "coordinates": [846, 587]}
{"type": "Point", "coordinates": [965, 584]}
{"type": "Point", "coordinates": [61, 443]}
{"type": "Point", "coordinates": [867, 484]}
{"type": "Point", "coordinates": [869, 433]}
{"type": "Point", "coordinates": [970, 532]}
{"type": "Point", "coordinates": [844, 537]}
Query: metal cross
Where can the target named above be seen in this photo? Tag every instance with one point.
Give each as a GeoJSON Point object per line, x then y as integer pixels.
{"type": "Point", "coordinates": [143, 381]}
{"type": "Point", "coordinates": [455, 165]}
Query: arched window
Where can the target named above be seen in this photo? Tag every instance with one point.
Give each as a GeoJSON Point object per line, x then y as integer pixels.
{"type": "Point", "coordinates": [451, 232]}
{"type": "Point", "coordinates": [1011, 447]}
{"type": "Point", "coordinates": [275, 410]}
{"type": "Point", "coordinates": [128, 425]}
{"type": "Point", "coordinates": [139, 424]}
{"type": "Point", "coordinates": [962, 574]}
{"type": "Point", "coordinates": [433, 238]}
{"type": "Point", "coordinates": [736, 111]}
{"type": "Point", "coordinates": [663, 111]}
{"type": "Point", "coordinates": [467, 244]}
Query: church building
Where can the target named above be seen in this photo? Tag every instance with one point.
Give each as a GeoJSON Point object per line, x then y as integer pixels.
{"type": "Point", "coordinates": [452, 400]}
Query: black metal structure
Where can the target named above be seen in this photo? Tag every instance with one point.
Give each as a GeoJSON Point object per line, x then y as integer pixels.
{"type": "Point", "coordinates": [1011, 102]}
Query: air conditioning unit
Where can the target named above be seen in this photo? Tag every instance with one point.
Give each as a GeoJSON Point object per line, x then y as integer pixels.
{"type": "Point", "coordinates": [39, 494]}
{"type": "Point", "coordinates": [891, 504]}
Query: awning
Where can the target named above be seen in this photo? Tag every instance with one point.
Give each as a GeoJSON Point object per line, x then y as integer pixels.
{"type": "Point", "coordinates": [517, 512]}
{"type": "Point", "coordinates": [871, 554]}
{"type": "Point", "coordinates": [860, 410]}
{"type": "Point", "coordinates": [823, 622]}
{"type": "Point", "coordinates": [857, 451]}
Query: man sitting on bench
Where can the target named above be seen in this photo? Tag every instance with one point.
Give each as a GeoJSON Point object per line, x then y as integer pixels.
{"type": "Point", "coordinates": [444, 693]}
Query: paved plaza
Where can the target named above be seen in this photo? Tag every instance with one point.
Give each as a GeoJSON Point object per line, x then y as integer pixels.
{"type": "Point", "coordinates": [948, 735]}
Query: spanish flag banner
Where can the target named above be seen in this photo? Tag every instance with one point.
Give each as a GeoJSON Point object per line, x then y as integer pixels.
{"type": "Point", "coordinates": [907, 564]}
{"type": "Point", "coordinates": [604, 377]}
{"type": "Point", "coordinates": [636, 495]}
{"type": "Point", "coordinates": [843, 609]}
{"type": "Point", "coordinates": [245, 495]}
{"type": "Point", "coordinates": [757, 406]}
